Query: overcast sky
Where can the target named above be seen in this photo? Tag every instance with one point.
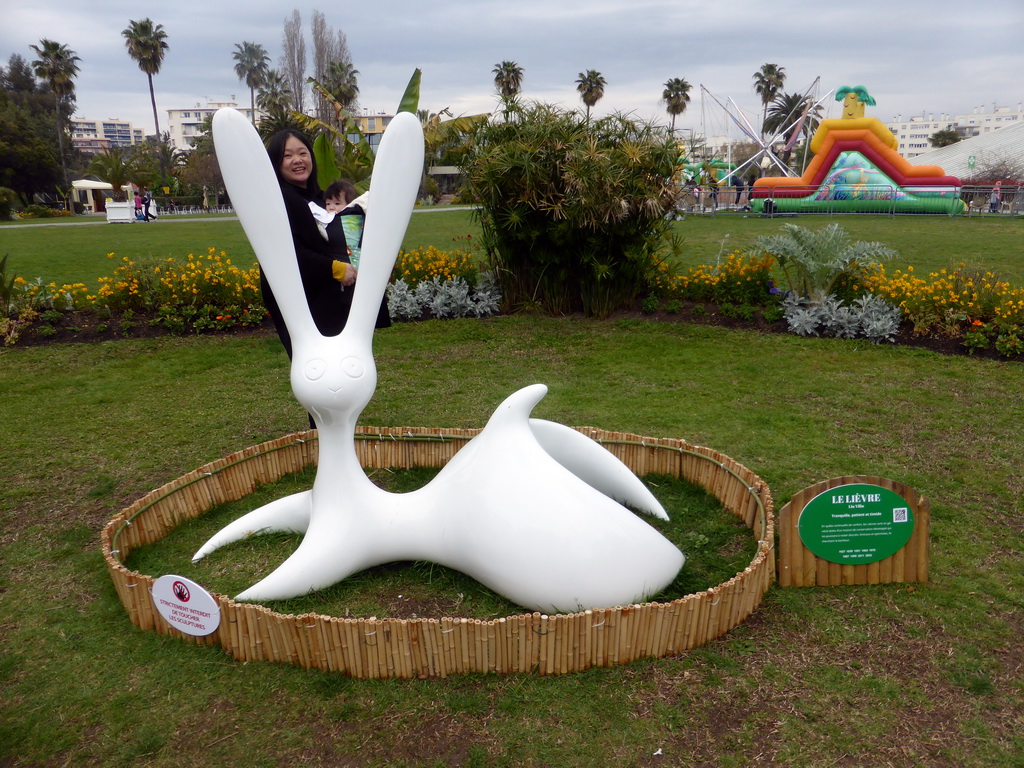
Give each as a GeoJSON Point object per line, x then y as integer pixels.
{"type": "Point", "coordinates": [913, 56]}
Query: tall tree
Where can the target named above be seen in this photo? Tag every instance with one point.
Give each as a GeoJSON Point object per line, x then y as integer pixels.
{"type": "Point", "coordinates": [29, 155]}
{"type": "Point", "coordinates": [274, 95]}
{"type": "Point", "coordinates": [275, 99]}
{"type": "Point", "coordinates": [57, 66]}
{"type": "Point", "coordinates": [146, 44]}
{"type": "Point", "coordinates": [795, 114]}
{"type": "Point", "coordinates": [293, 60]}
{"type": "Point", "coordinates": [590, 85]}
{"type": "Point", "coordinates": [17, 77]}
{"type": "Point", "coordinates": [508, 79]}
{"type": "Point", "coordinates": [251, 65]}
{"type": "Point", "coordinates": [768, 81]}
{"type": "Point", "coordinates": [329, 46]}
{"type": "Point", "coordinates": [340, 81]}
{"type": "Point", "coordinates": [676, 97]}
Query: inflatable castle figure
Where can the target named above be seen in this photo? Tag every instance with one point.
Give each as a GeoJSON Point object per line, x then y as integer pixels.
{"type": "Point", "coordinates": [856, 168]}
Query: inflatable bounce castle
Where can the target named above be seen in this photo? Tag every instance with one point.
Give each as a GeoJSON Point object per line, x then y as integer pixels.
{"type": "Point", "coordinates": [856, 168]}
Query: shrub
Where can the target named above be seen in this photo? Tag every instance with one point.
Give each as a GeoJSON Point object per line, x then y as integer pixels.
{"type": "Point", "coordinates": [7, 197]}
{"type": "Point", "coordinates": [740, 279]}
{"type": "Point", "coordinates": [572, 211]}
{"type": "Point", "coordinates": [772, 313]}
{"type": "Point", "coordinates": [443, 298]}
{"type": "Point", "coordinates": [425, 264]}
{"type": "Point", "coordinates": [869, 316]}
{"type": "Point", "coordinates": [947, 301]}
{"type": "Point", "coordinates": [36, 211]}
{"type": "Point", "coordinates": [205, 292]}
{"type": "Point", "coordinates": [1006, 338]}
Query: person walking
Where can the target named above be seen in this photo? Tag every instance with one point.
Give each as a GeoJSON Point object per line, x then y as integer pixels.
{"type": "Point", "coordinates": [146, 200]}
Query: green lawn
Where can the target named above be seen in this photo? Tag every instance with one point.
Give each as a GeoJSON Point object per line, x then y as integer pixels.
{"type": "Point", "coordinates": [891, 675]}
{"type": "Point", "coordinates": [65, 253]}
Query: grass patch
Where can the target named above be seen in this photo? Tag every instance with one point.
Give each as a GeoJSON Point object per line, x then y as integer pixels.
{"type": "Point", "coordinates": [872, 676]}
{"type": "Point", "coordinates": [716, 543]}
{"type": "Point", "coordinates": [64, 253]}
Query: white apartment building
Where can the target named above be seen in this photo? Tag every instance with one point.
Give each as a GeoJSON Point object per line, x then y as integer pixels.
{"type": "Point", "coordinates": [92, 136]}
{"type": "Point", "coordinates": [979, 121]}
{"type": "Point", "coordinates": [184, 125]}
{"type": "Point", "coordinates": [913, 134]}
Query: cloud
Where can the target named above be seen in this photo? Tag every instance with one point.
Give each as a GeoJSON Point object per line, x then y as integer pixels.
{"type": "Point", "coordinates": [914, 56]}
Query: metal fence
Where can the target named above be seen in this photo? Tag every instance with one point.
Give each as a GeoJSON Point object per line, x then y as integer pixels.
{"type": "Point", "coordinates": [874, 199]}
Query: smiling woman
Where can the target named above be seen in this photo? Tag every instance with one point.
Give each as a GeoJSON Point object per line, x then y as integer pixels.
{"type": "Point", "coordinates": [296, 164]}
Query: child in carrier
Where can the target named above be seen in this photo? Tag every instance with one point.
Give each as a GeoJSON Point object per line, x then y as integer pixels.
{"type": "Point", "coordinates": [341, 199]}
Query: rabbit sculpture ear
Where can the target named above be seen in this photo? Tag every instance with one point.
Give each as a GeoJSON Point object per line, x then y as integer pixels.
{"type": "Point", "coordinates": [256, 197]}
{"type": "Point", "coordinates": [393, 188]}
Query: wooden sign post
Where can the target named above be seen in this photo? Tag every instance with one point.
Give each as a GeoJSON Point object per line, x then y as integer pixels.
{"type": "Point", "coordinates": [854, 530]}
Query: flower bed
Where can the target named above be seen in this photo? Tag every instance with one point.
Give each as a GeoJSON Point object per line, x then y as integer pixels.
{"type": "Point", "coordinates": [961, 310]}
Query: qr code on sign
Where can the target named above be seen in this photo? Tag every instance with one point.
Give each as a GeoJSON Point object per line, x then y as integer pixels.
{"type": "Point", "coordinates": [899, 515]}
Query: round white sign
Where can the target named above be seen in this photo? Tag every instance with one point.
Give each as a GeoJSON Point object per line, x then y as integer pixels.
{"type": "Point", "coordinates": [186, 605]}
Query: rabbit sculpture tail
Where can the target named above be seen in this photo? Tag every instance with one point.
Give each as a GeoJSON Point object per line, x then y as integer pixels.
{"type": "Point", "coordinates": [530, 508]}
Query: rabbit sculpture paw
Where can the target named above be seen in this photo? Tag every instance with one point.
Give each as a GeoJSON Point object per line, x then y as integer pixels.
{"type": "Point", "coordinates": [530, 508]}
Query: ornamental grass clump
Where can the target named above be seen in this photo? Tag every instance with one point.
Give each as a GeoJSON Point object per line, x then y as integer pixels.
{"type": "Point", "coordinates": [573, 212]}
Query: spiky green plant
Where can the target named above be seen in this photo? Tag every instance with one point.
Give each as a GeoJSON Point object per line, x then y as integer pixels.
{"type": "Point", "coordinates": [813, 260]}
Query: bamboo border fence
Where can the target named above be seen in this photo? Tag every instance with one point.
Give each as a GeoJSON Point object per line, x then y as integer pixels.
{"type": "Point", "coordinates": [799, 567]}
{"type": "Point", "coordinates": [410, 648]}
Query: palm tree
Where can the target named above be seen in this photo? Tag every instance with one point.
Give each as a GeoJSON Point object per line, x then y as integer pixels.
{"type": "Point", "coordinates": [58, 66]}
{"type": "Point", "coordinates": [275, 94]}
{"type": "Point", "coordinates": [340, 80]}
{"type": "Point", "coordinates": [676, 96]}
{"type": "Point", "coordinates": [252, 63]}
{"type": "Point", "coordinates": [145, 43]}
{"type": "Point", "coordinates": [785, 113]}
{"type": "Point", "coordinates": [117, 166]}
{"type": "Point", "coordinates": [591, 88]}
{"type": "Point", "coordinates": [767, 82]}
{"type": "Point", "coordinates": [508, 79]}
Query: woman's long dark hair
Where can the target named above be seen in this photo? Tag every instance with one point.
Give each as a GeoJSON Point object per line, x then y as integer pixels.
{"type": "Point", "coordinates": [275, 148]}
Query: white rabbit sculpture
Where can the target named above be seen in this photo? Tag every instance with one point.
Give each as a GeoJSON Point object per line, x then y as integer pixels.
{"type": "Point", "coordinates": [528, 507]}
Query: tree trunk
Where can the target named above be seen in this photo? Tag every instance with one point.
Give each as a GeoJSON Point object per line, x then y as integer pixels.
{"type": "Point", "coordinates": [152, 99]}
{"type": "Point", "coordinates": [63, 156]}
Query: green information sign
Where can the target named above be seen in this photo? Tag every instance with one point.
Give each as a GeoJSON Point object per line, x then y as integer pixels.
{"type": "Point", "coordinates": [856, 523]}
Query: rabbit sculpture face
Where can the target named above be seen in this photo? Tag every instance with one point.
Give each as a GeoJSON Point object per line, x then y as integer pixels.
{"type": "Point", "coordinates": [333, 378]}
